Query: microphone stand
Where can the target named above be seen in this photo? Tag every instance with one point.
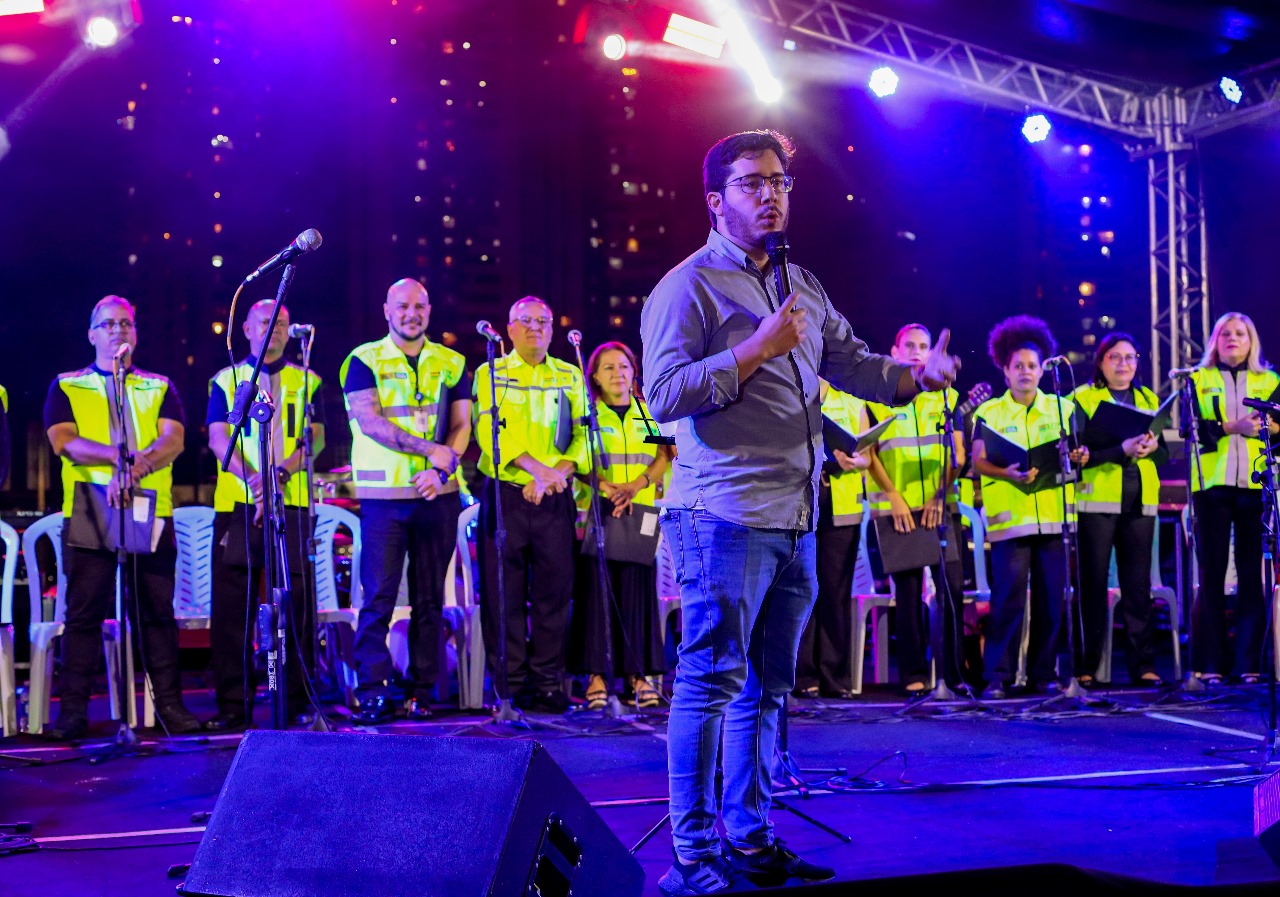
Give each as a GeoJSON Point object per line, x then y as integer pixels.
{"type": "Point", "coordinates": [308, 454]}
{"type": "Point", "coordinates": [1073, 691]}
{"type": "Point", "coordinates": [1190, 432]}
{"type": "Point", "coordinates": [612, 707]}
{"type": "Point", "coordinates": [1266, 477]}
{"type": "Point", "coordinates": [504, 712]}
{"type": "Point", "coordinates": [274, 619]}
{"type": "Point", "coordinates": [942, 590]}
{"type": "Point", "coordinates": [119, 661]}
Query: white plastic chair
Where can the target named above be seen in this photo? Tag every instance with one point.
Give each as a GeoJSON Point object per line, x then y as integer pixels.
{"type": "Point", "coordinates": [668, 588]}
{"type": "Point", "coordinates": [1158, 590]}
{"type": "Point", "coordinates": [8, 676]}
{"type": "Point", "coordinates": [464, 613]}
{"type": "Point", "coordinates": [339, 622]}
{"type": "Point", "coordinates": [43, 632]}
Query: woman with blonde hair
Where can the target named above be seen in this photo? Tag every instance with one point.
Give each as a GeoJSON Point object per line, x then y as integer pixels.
{"type": "Point", "coordinates": [1225, 496]}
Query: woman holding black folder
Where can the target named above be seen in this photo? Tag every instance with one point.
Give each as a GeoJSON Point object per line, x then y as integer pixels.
{"type": "Point", "coordinates": [1024, 510]}
{"type": "Point", "coordinates": [1117, 499]}
{"type": "Point", "coordinates": [627, 486]}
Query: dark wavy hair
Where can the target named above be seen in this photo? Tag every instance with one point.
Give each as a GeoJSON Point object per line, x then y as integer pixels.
{"type": "Point", "coordinates": [727, 150]}
{"type": "Point", "coordinates": [1109, 342]}
{"type": "Point", "coordinates": [594, 362]}
{"type": "Point", "coordinates": [1020, 332]}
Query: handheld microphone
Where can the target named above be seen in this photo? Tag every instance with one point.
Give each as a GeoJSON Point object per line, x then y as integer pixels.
{"type": "Point", "coordinates": [485, 329]}
{"type": "Point", "coordinates": [575, 337]}
{"type": "Point", "coordinates": [776, 245]}
{"type": "Point", "coordinates": [301, 331]}
{"type": "Point", "coordinates": [1180, 372]}
{"type": "Point", "coordinates": [306, 241]}
{"type": "Point", "coordinates": [1055, 361]}
{"type": "Point", "coordinates": [1266, 407]}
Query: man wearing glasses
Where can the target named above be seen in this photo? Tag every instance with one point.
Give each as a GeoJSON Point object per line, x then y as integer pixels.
{"type": "Point", "coordinates": [741, 365]}
{"type": "Point", "coordinates": [542, 442]}
{"type": "Point", "coordinates": [85, 430]}
{"type": "Point", "coordinates": [410, 420]}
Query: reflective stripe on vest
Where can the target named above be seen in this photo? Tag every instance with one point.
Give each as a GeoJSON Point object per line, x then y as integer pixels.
{"type": "Point", "coordinates": [911, 451]}
{"type": "Point", "coordinates": [1230, 463]}
{"type": "Point", "coordinates": [624, 446]}
{"type": "Point", "coordinates": [542, 407]}
{"type": "Point", "coordinates": [87, 391]}
{"type": "Point", "coordinates": [1101, 488]}
{"type": "Point", "coordinates": [411, 400]}
{"type": "Point", "coordinates": [230, 489]}
{"type": "Point", "coordinates": [1012, 513]}
{"type": "Point", "coordinates": [847, 487]}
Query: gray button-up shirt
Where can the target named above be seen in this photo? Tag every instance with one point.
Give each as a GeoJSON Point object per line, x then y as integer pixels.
{"type": "Point", "coordinates": [750, 451]}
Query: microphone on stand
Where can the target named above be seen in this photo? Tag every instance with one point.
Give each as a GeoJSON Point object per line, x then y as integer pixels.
{"type": "Point", "coordinates": [121, 352]}
{"type": "Point", "coordinates": [776, 245]}
{"type": "Point", "coordinates": [307, 241]}
{"type": "Point", "coordinates": [575, 337]}
{"type": "Point", "coordinates": [1181, 372]}
{"type": "Point", "coordinates": [1055, 361]}
{"type": "Point", "coordinates": [485, 329]}
{"type": "Point", "coordinates": [301, 331]}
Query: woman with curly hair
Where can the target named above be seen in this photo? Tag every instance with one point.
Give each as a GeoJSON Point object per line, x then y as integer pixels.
{"type": "Point", "coordinates": [1024, 527]}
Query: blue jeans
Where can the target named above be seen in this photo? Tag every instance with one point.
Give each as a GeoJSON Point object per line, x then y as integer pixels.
{"type": "Point", "coordinates": [745, 596]}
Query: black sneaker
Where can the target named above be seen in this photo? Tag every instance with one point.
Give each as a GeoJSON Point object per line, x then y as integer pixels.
{"type": "Point", "coordinates": [553, 701]}
{"type": "Point", "coordinates": [774, 865]}
{"type": "Point", "coordinates": [707, 876]}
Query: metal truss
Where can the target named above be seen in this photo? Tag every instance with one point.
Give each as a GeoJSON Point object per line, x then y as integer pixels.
{"type": "Point", "coordinates": [1161, 122]}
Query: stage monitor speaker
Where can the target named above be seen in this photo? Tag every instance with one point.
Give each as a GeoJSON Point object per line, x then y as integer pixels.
{"type": "Point", "coordinates": [1266, 815]}
{"type": "Point", "coordinates": [315, 814]}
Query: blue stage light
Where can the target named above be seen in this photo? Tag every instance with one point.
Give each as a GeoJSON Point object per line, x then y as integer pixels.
{"type": "Point", "coordinates": [1036, 128]}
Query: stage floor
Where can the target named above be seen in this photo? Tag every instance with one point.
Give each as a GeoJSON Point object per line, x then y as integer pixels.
{"type": "Point", "coordinates": [1155, 786]}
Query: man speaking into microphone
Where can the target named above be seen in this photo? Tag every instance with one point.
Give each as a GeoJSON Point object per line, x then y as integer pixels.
{"type": "Point", "coordinates": [542, 442]}
{"type": "Point", "coordinates": [740, 361]}
{"type": "Point", "coordinates": [410, 422]}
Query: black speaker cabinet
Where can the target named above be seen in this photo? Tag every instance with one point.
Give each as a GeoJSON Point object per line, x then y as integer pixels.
{"type": "Point", "coordinates": [314, 814]}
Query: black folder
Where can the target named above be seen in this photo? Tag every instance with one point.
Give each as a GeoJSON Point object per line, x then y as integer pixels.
{"type": "Point", "coordinates": [95, 524]}
{"type": "Point", "coordinates": [835, 437]}
{"type": "Point", "coordinates": [1044, 457]}
{"type": "Point", "coordinates": [914, 550]}
{"type": "Point", "coordinates": [1112, 423]}
{"type": "Point", "coordinates": [632, 537]}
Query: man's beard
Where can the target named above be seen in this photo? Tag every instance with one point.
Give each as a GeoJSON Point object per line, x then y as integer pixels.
{"type": "Point", "coordinates": [740, 225]}
{"type": "Point", "coordinates": [407, 336]}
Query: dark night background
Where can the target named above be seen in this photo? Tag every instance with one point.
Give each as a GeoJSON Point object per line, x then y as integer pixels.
{"type": "Point", "coordinates": [493, 155]}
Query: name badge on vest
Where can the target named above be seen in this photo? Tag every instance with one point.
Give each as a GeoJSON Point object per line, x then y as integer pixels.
{"type": "Point", "coordinates": [422, 419]}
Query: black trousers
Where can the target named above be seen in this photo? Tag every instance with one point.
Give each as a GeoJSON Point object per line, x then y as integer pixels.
{"type": "Point", "coordinates": [390, 530]}
{"type": "Point", "coordinates": [1131, 535]}
{"type": "Point", "coordinates": [538, 567]}
{"type": "Point", "coordinates": [911, 623]}
{"type": "Point", "coordinates": [1217, 510]}
{"type": "Point", "coordinates": [1037, 560]}
{"type": "Point", "coordinates": [636, 639]}
{"type": "Point", "coordinates": [91, 592]}
{"type": "Point", "coordinates": [237, 580]}
{"type": "Point", "coordinates": [826, 642]}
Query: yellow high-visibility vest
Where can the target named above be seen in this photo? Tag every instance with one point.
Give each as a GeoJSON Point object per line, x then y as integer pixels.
{"type": "Point", "coordinates": [87, 391]}
{"type": "Point", "coordinates": [1010, 512]}
{"type": "Point", "coordinates": [847, 486]}
{"type": "Point", "coordinates": [230, 489]}
{"type": "Point", "coordinates": [911, 451]}
{"type": "Point", "coordinates": [542, 407]}
{"type": "Point", "coordinates": [411, 399]}
{"type": "Point", "coordinates": [1101, 487]}
{"type": "Point", "coordinates": [1231, 462]}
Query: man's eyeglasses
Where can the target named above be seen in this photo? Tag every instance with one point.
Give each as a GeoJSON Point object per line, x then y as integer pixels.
{"type": "Point", "coordinates": [754, 183]}
{"type": "Point", "coordinates": [1116, 358]}
{"type": "Point", "coordinates": [531, 321]}
{"type": "Point", "coordinates": [112, 326]}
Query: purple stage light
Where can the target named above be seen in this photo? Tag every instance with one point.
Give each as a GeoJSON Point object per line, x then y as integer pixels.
{"type": "Point", "coordinates": [1036, 128]}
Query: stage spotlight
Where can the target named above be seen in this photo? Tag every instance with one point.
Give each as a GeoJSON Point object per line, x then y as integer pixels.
{"type": "Point", "coordinates": [101, 32]}
{"type": "Point", "coordinates": [883, 81]}
{"type": "Point", "coordinates": [768, 88]}
{"type": "Point", "coordinates": [1036, 128]}
{"type": "Point", "coordinates": [614, 47]}
{"type": "Point", "coordinates": [1231, 89]}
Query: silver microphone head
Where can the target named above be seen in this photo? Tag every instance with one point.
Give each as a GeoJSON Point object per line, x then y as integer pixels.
{"type": "Point", "coordinates": [575, 337]}
{"type": "Point", "coordinates": [309, 240]}
{"type": "Point", "coordinates": [297, 331]}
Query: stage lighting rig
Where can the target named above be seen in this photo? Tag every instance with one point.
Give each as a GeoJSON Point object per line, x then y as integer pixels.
{"type": "Point", "coordinates": [1036, 128]}
{"type": "Point", "coordinates": [104, 23]}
